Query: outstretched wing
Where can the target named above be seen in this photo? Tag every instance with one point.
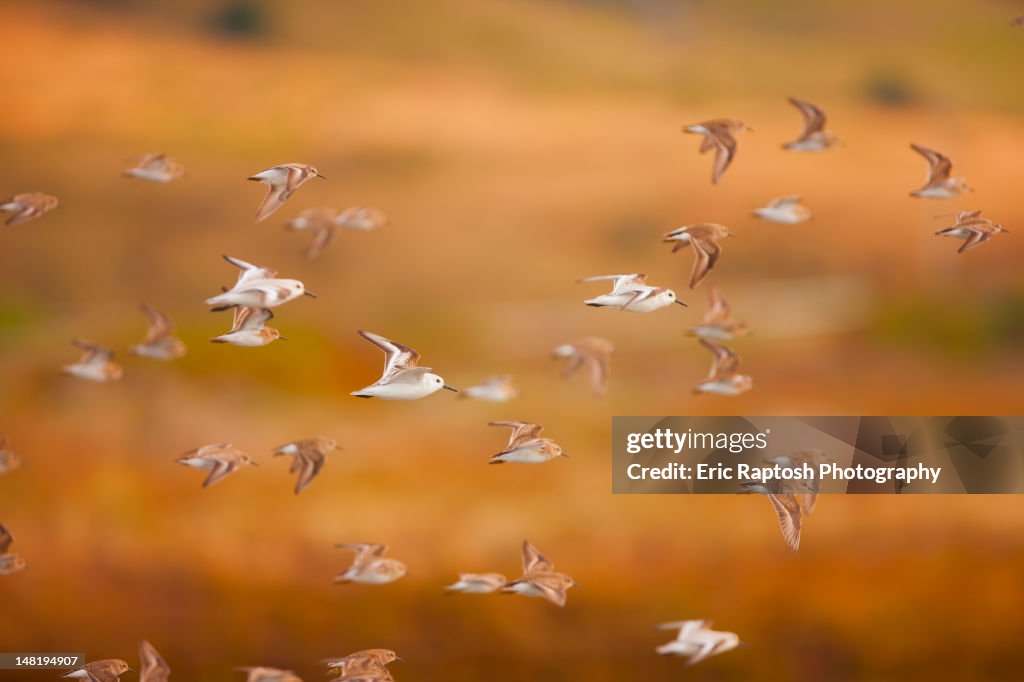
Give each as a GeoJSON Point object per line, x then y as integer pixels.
{"type": "Point", "coordinates": [397, 356]}
{"type": "Point", "coordinates": [533, 560]}
{"type": "Point", "coordinates": [939, 165]}
{"type": "Point", "coordinates": [814, 118]}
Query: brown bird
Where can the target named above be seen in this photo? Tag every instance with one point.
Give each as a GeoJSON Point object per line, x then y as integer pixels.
{"type": "Point", "coordinates": [724, 377]}
{"type": "Point", "coordinates": [783, 496]}
{"type": "Point", "coordinates": [96, 364]}
{"type": "Point", "coordinates": [704, 238]}
{"type": "Point", "coordinates": [220, 459]}
{"type": "Point", "coordinates": [107, 670]}
{"type": "Point", "coordinates": [718, 323]}
{"type": "Point", "coordinates": [593, 353]}
{"type": "Point", "coordinates": [814, 137]}
{"type": "Point", "coordinates": [9, 561]}
{"type": "Point", "coordinates": [323, 221]}
{"type": "Point", "coordinates": [540, 579]}
{"type": "Point", "coordinates": [972, 228]}
{"type": "Point", "coordinates": [160, 342]}
{"type": "Point", "coordinates": [26, 207]}
{"type": "Point", "coordinates": [308, 457]}
{"type": "Point", "coordinates": [152, 667]}
{"type": "Point", "coordinates": [938, 184]}
{"type": "Point", "coordinates": [719, 134]}
{"type": "Point", "coordinates": [155, 168]}
{"type": "Point", "coordinates": [283, 181]}
{"type": "Point", "coordinates": [370, 664]}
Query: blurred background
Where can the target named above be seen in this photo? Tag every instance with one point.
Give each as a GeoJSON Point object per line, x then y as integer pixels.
{"type": "Point", "coordinates": [517, 145]}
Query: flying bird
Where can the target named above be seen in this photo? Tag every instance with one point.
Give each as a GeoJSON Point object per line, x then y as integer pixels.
{"type": "Point", "coordinates": [938, 184]}
{"type": "Point", "coordinates": [973, 229]}
{"type": "Point", "coordinates": [283, 181]}
{"type": "Point", "coordinates": [498, 388]}
{"type": "Point", "coordinates": [592, 353]}
{"type": "Point", "coordinates": [10, 562]}
{"type": "Point", "coordinates": [704, 238]}
{"type": "Point", "coordinates": [402, 378]}
{"type": "Point", "coordinates": [525, 444]}
{"type": "Point", "coordinates": [257, 287]}
{"type": "Point", "coordinates": [96, 364]}
{"type": "Point", "coordinates": [539, 578]}
{"type": "Point", "coordinates": [160, 342]}
{"type": "Point", "coordinates": [724, 377]}
{"type": "Point", "coordinates": [108, 670]}
{"type": "Point", "coordinates": [322, 222]}
{"type": "Point", "coordinates": [783, 496]}
{"type": "Point", "coordinates": [308, 457]}
{"type": "Point", "coordinates": [718, 323]}
{"type": "Point", "coordinates": [813, 458]}
{"type": "Point", "coordinates": [219, 459]}
{"type": "Point", "coordinates": [786, 210]}
{"type": "Point", "coordinates": [719, 134]}
{"type": "Point", "coordinates": [370, 566]}
{"type": "Point", "coordinates": [814, 137]}
{"type": "Point", "coordinates": [152, 667]}
{"type": "Point", "coordinates": [261, 674]}
{"type": "Point", "coordinates": [696, 641]}
{"type": "Point", "coordinates": [631, 293]}
{"type": "Point", "coordinates": [26, 207]}
{"type": "Point", "coordinates": [477, 583]}
{"type": "Point", "coordinates": [249, 328]}
{"type": "Point", "coordinates": [368, 664]}
{"type": "Point", "coordinates": [155, 168]}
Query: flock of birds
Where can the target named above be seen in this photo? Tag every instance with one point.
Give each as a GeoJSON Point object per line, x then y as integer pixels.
{"type": "Point", "coordinates": [258, 290]}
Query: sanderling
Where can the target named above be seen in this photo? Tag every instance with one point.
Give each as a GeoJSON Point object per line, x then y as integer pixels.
{"type": "Point", "coordinates": [96, 364]}
{"type": "Point", "coordinates": [26, 207]}
{"type": "Point", "coordinates": [972, 228]}
{"type": "Point", "coordinates": [160, 342]}
{"type": "Point", "coordinates": [257, 287]}
{"type": "Point", "coordinates": [719, 134]}
{"type": "Point", "coordinates": [248, 328]}
{"type": "Point", "coordinates": [539, 578]}
{"type": "Point", "coordinates": [704, 238]}
{"type": "Point", "coordinates": [493, 389]}
{"type": "Point", "coordinates": [632, 294]}
{"type": "Point", "coordinates": [155, 168]}
{"type": "Point", "coordinates": [786, 210]}
{"type": "Point", "coordinates": [369, 665]}
{"type": "Point", "coordinates": [938, 184]}
{"type": "Point", "coordinates": [525, 445]}
{"type": "Point", "coordinates": [724, 377]}
{"type": "Point", "coordinates": [697, 641]}
{"type": "Point", "coordinates": [107, 670]}
{"type": "Point", "coordinates": [323, 221]}
{"type": "Point", "coordinates": [402, 378]}
{"type": "Point", "coordinates": [283, 181]}
{"type": "Point", "coordinates": [783, 496]}
{"type": "Point", "coordinates": [477, 583]}
{"type": "Point", "coordinates": [308, 457]}
{"type": "Point", "coordinates": [592, 352]}
{"type": "Point", "coordinates": [370, 566]}
{"type": "Point", "coordinates": [718, 323]}
{"type": "Point", "coordinates": [220, 459]}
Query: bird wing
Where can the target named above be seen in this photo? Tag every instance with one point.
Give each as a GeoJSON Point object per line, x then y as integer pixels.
{"type": "Point", "coordinates": [782, 202]}
{"type": "Point", "coordinates": [521, 431]}
{"type": "Point", "coordinates": [93, 354]}
{"type": "Point", "coordinates": [322, 235]}
{"type": "Point", "coordinates": [251, 319]}
{"type": "Point", "coordinates": [160, 326]}
{"type": "Point", "coordinates": [397, 356]}
{"type": "Point", "coordinates": [814, 118]}
{"type": "Point", "coordinates": [725, 149]}
{"type": "Point", "coordinates": [310, 460]}
{"type": "Point", "coordinates": [221, 469]}
{"type": "Point", "coordinates": [533, 560]}
{"type": "Point", "coordinates": [725, 360]}
{"type": "Point", "coordinates": [706, 252]}
{"type": "Point", "coordinates": [977, 238]}
{"type": "Point", "coordinates": [788, 510]}
{"type": "Point", "coordinates": [719, 311]}
{"type": "Point", "coordinates": [939, 165]}
{"type": "Point", "coordinates": [5, 539]}
{"type": "Point", "coordinates": [152, 667]}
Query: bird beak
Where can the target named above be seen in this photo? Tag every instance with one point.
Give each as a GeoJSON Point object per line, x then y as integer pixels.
{"type": "Point", "coordinates": [565, 454]}
{"type": "Point", "coordinates": [450, 388]}
{"type": "Point", "coordinates": [729, 234]}
{"type": "Point", "coordinates": [283, 338]}
{"type": "Point", "coordinates": [321, 176]}
{"type": "Point", "coordinates": [681, 303]}
{"type": "Point", "coordinates": [309, 293]}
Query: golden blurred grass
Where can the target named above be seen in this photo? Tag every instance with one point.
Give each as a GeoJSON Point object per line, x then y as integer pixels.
{"type": "Point", "coordinates": [517, 146]}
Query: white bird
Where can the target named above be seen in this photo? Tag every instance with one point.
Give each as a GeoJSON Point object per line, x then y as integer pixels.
{"type": "Point", "coordinates": [96, 364]}
{"type": "Point", "coordinates": [697, 641]}
{"type": "Point", "coordinates": [283, 181]}
{"type": "Point", "coordinates": [477, 583]}
{"type": "Point", "coordinates": [492, 389]}
{"type": "Point", "coordinates": [632, 294]}
{"type": "Point", "coordinates": [249, 328]}
{"type": "Point", "coordinates": [786, 210]}
{"type": "Point", "coordinates": [402, 378]}
{"type": "Point", "coordinates": [258, 287]}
